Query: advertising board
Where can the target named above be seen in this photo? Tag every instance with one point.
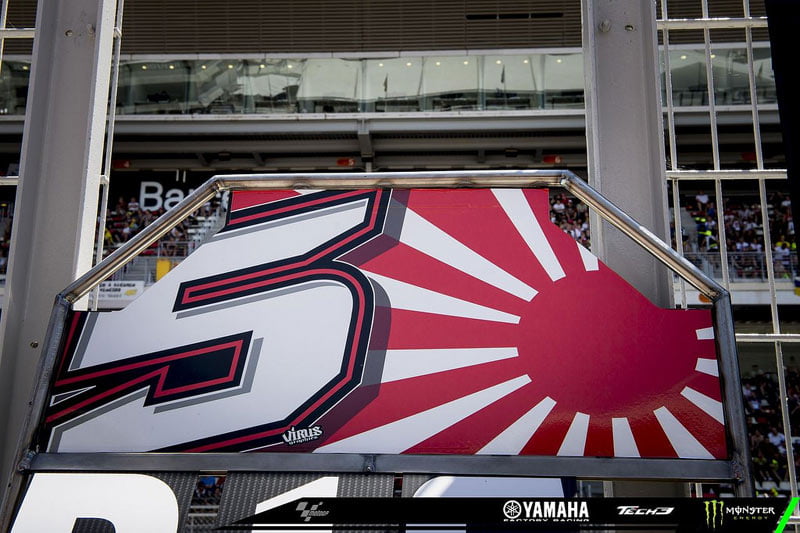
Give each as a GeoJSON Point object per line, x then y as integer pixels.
{"type": "Point", "coordinates": [400, 322]}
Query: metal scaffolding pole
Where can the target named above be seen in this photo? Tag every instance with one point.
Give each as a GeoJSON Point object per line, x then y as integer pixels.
{"type": "Point", "coordinates": [624, 134]}
{"type": "Point", "coordinates": [625, 152]}
{"type": "Point", "coordinates": [56, 201]}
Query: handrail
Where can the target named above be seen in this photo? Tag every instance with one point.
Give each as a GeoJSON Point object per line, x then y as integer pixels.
{"type": "Point", "coordinates": [397, 180]}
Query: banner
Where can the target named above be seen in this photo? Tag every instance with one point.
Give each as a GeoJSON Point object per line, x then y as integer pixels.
{"type": "Point", "coordinates": [117, 294]}
{"type": "Point", "coordinates": [390, 322]}
{"type": "Point", "coordinates": [136, 502]}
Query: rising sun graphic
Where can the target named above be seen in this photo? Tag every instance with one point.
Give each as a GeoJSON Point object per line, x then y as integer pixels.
{"type": "Point", "coordinates": [406, 321]}
{"type": "Point", "coordinates": [495, 333]}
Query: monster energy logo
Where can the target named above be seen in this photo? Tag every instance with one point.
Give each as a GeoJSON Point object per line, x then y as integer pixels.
{"type": "Point", "coordinates": [714, 516]}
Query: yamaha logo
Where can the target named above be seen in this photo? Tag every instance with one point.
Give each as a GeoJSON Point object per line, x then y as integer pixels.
{"type": "Point", "coordinates": [546, 511]}
{"type": "Point", "coordinates": [512, 509]}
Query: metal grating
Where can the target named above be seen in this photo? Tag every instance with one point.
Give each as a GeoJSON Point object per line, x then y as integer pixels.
{"type": "Point", "coordinates": [702, 12]}
{"type": "Point", "coordinates": [251, 26]}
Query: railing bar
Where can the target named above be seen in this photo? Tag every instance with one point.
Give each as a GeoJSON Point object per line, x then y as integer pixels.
{"type": "Point", "coordinates": [105, 183]}
{"type": "Point", "coordinates": [727, 174]}
{"type": "Point", "coordinates": [712, 110]}
{"type": "Point", "coordinates": [713, 23]}
{"type": "Point", "coordinates": [751, 79]}
{"type": "Point", "coordinates": [762, 194]}
{"type": "Point", "coordinates": [3, 19]}
{"type": "Point", "coordinates": [673, 150]}
{"type": "Point", "coordinates": [767, 337]}
{"type": "Point", "coordinates": [787, 430]}
{"type": "Point", "coordinates": [17, 33]}
{"type": "Point", "coordinates": [722, 238]}
{"type": "Point", "coordinates": [676, 217]}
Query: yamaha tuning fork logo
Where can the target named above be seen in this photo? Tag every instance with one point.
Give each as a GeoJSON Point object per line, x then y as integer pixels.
{"type": "Point", "coordinates": [512, 509]}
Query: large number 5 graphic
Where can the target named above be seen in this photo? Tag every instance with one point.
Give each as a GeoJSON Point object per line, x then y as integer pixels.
{"type": "Point", "coordinates": [226, 391]}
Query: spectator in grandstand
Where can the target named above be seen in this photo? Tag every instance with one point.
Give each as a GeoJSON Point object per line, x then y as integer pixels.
{"type": "Point", "coordinates": [133, 205]}
{"type": "Point", "coordinates": [777, 439]}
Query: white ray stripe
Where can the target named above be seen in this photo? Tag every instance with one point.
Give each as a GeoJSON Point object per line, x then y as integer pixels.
{"type": "Point", "coordinates": [590, 261]}
{"type": "Point", "coordinates": [431, 240]}
{"type": "Point", "coordinates": [705, 334]}
{"type": "Point", "coordinates": [412, 298]}
{"type": "Point", "coordinates": [686, 446]}
{"type": "Point", "coordinates": [624, 443]}
{"type": "Point", "coordinates": [575, 440]}
{"type": "Point", "coordinates": [512, 439]}
{"type": "Point", "coordinates": [518, 210]}
{"type": "Point", "coordinates": [707, 366]}
{"type": "Point", "coordinates": [402, 364]}
{"type": "Point", "coordinates": [709, 405]}
{"type": "Point", "coordinates": [402, 434]}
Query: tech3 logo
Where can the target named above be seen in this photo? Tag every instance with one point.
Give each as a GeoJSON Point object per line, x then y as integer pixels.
{"type": "Point", "coordinates": [715, 515]}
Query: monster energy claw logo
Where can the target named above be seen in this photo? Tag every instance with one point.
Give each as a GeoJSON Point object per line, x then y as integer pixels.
{"type": "Point", "coordinates": [714, 515]}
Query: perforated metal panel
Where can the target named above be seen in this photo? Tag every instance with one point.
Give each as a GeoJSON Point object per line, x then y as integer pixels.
{"type": "Point", "coordinates": [251, 26]}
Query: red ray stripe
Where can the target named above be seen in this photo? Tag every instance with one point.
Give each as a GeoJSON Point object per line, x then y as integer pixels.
{"type": "Point", "coordinates": [244, 199]}
{"type": "Point", "coordinates": [412, 329]}
{"type": "Point", "coordinates": [476, 431]}
{"type": "Point", "coordinates": [650, 438]}
{"type": "Point", "coordinates": [548, 438]}
{"type": "Point", "coordinates": [600, 438]}
{"type": "Point", "coordinates": [475, 218]}
{"type": "Point", "coordinates": [401, 399]}
{"type": "Point", "coordinates": [704, 427]}
{"type": "Point", "coordinates": [406, 264]}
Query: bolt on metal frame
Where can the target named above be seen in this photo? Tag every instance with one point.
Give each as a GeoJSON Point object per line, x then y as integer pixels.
{"type": "Point", "coordinates": [675, 175]}
{"type": "Point", "coordinates": [735, 468]}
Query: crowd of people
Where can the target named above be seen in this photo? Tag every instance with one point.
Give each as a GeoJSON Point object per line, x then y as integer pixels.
{"type": "Point", "coordinates": [744, 234]}
{"type": "Point", "coordinates": [572, 216]}
{"type": "Point", "coordinates": [768, 444]}
{"type": "Point", "coordinates": [743, 229]}
{"type": "Point", "coordinates": [127, 218]}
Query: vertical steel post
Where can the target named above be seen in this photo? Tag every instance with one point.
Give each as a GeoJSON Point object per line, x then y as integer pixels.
{"type": "Point", "coordinates": [732, 397]}
{"type": "Point", "coordinates": [625, 139]}
{"type": "Point", "coordinates": [625, 150]}
{"type": "Point", "coordinates": [62, 150]}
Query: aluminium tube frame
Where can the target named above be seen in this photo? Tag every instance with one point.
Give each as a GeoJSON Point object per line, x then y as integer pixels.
{"type": "Point", "coordinates": [735, 468]}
